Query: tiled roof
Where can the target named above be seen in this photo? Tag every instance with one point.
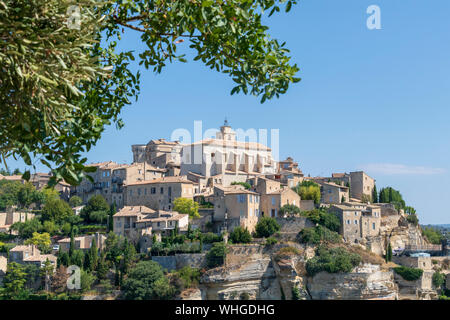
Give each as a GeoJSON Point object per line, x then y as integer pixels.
{"type": "Point", "coordinates": [171, 179]}
{"type": "Point", "coordinates": [129, 211]}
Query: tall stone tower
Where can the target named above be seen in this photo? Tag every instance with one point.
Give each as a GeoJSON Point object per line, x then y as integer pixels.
{"type": "Point", "coordinates": [225, 132]}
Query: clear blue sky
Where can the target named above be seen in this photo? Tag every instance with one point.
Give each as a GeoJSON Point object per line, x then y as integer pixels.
{"type": "Point", "coordinates": [369, 99]}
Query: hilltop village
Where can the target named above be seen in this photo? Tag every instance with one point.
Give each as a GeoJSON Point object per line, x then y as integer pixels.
{"type": "Point", "coordinates": [215, 219]}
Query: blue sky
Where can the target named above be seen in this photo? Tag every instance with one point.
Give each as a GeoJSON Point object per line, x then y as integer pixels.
{"type": "Point", "coordinates": [376, 100]}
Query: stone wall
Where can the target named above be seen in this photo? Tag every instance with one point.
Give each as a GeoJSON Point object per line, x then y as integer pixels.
{"type": "Point", "coordinates": [291, 226]}
{"type": "Point", "coordinates": [178, 261]}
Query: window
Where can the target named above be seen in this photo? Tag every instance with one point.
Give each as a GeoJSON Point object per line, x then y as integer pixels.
{"type": "Point", "coordinates": [256, 213]}
{"type": "Point", "coordinates": [356, 213]}
{"type": "Point", "coordinates": [251, 198]}
{"type": "Point", "coordinates": [161, 190]}
{"type": "Point", "coordinates": [242, 213]}
{"type": "Point", "coordinates": [356, 221]}
{"type": "Point", "coordinates": [256, 199]}
{"type": "Point", "coordinates": [153, 190]}
{"type": "Point", "coordinates": [373, 225]}
{"type": "Point", "coordinates": [348, 221]}
{"type": "Point", "coordinates": [273, 201]}
{"type": "Point", "coordinates": [139, 191]}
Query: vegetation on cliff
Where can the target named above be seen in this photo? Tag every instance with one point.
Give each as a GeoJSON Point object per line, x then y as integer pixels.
{"type": "Point", "coordinates": [409, 274]}
{"type": "Point", "coordinates": [318, 235]}
{"type": "Point", "coordinates": [332, 260]}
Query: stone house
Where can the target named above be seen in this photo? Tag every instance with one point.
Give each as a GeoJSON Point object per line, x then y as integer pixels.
{"type": "Point", "coordinates": [332, 193]}
{"type": "Point", "coordinates": [288, 173]}
{"type": "Point", "coordinates": [139, 223]}
{"type": "Point", "coordinates": [350, 222]}
{"type": "Point", "coordinates": [235, 206]}
{"type": "Point", "coordinates": [272, 202]}
{"type": "Point", "coordinates": [83, 242]}
{"type": "Point", "coordinates": [11, 216]}
{"type": "Point", "coordinates": [360, 183]}
{"type": "Point", "coordinates": [30, 254]}
{"type": "Point", "coordinates": [158, 194]}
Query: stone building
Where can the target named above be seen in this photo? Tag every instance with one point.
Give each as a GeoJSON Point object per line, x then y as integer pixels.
{"type": "Point", "coordinates": [350, 222]}
{"type": "Point", "coordinates": [288, 173]}
{"type": "Point", "coordinates": [83, 242]}
{"type": "Point", "coordinates": [158, 194]}
{"type": "Point", "coordinates": [226, 156]}
{"type": "Point", "coordinates": [360, 183]}
{"type": "Point", "coordinates": [139, 223]}
{"type": "Point", "coordinates": [235, 206]}
{"type": "Point", "coordinates": [30, 254]}
{"type": "Point", "coordinates": [158, 153]}
{"type": "Point", "coordinates": [12, 216]}
{"type": "Point", "coordinates": [332, 193]}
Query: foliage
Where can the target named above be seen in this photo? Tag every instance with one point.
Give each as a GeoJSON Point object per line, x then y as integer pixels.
{"type": "Point", "coordinates": [271, 241]}
{"type": "Point", "coordinates": [389, 252]}
{"type": "Point", "coordinates": [323, 217]}
{"type": "Point", "coordinates": [240, 235]}
{"type": "Point", "coordinates": [433, 235]}
{"type": "Point", "coordinates": [186, 206]}
{"type": "Point", "coordinates": [246, 185]}
{"type": "Point", "coordinates": [216, 255]}
{"type": "Point", "coordinates": [75, 201]}
{"type": "Point", "coordinates": [295, 293]}
{"type": "Point", "coordinates": [87, 279]}
{"type": "Point", "coordinates": [41, 240]}
{"type": "Point", "coordinates": [77, 258]}
{"type": "Point", "coordinates": [288, 251]}
{"type": "Point", "coordinates": [333, 260]}
{"type": "Point", "coordinates": [317, 235]}
{"type": "Point", "coordinates": [390, 195]}
{"type": "Point", "coordinates": [15, 193]}
{"type": "Point", "coordinates": [266, 227]}
{"type": "Point", "coordinates": [167, 249]}
{"type": "Point", "coordinates": [438, 279]}
{"type": "Point", "coordinates": [190, 277]}
{"type": "Point", "coordinates": [308, 190]}
{"type": "Point", "coordinates": [63, 85]}
{"type": "Point", "coordinates": [56, 210]}
{"type": "Point", "coordinates": [112, 212]}
{"type": "Point", "coordinates": [412, 218]}
{"type": "Point", "coordinates": [146, 281]}
{"type": "Point", "coordinates": [96, 210]}
{"type": "Point", "coordinates": [210, 237]}
{"type": "Point", "coordinates": [14, 281]}
{"type": "Point", "coordinates": [374, 194]}
{"type": "Point", "coordinates": [409, 274]}
{"type": "Point", "coordinates": [27, 228]}
{"type": "Point", "coordinates": [289, 209]}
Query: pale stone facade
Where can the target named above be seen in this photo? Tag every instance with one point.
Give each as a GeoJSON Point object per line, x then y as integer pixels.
{"type": "Point", "coordinates": [11, 216]}
{"type": "Point", "coordinates": [225, 154]}
{"type": "Point", "coordinates": [30, 254]}
{"type": "Point", "coordinates": [331, 193]}
{"type": "Point", "coordinates": [235, 206]}
{"type": "Point", "coordinates": [83, 242]}
{"type": "Point", "coordinates": [158, 194]}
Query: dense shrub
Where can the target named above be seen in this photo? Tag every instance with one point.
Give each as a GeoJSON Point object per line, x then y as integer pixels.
{"type": "Point", "coordinates": [240, 235]}
{"type": "Point", "coordinates": [189, 277]}
{"type": "Point", "coordinates": [409, 274]}
{"type": "Point", "coordinates": [210, 237]}
{"type": "Point", "coordinates": [332, 260]}
{"type": "Point", "coordinates": [324, 218]}
{"type": "Point", "coordinates": [266, 227]}
{"type": "Point", "coordinates": [217, 255]}
{"type": "Point", "coordinates": [433, 235]}
{"type": "Point", "coordinates": [317, 235]}
{"type": "Point", "coordinates": [246, 185]}
{"type": "Point", "coordinates": [412, 218]}
{"type": "Point", "coordinates": [271, 241]}
{"type": "Point", "coordinates": [168, 249]}
{"type": "Point", "coordinates": [438, 279]}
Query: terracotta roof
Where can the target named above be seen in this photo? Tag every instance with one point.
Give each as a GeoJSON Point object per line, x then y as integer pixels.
{"type": "Point", "coordinates": [338, 175]}
{"type": "Point", "coordinates": [171, 179]}
{"type": "Point", "coordinates": [332, 184]}
{"type": "Point", "coordinates": [20, 248]}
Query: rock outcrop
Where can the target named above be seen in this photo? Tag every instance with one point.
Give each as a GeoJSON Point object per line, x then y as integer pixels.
{"type": "Point", "coordinates": [363, 283]}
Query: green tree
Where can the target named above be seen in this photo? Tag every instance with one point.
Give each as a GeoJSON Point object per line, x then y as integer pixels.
{"type": "Point", "coordinates": [309, 190]}
{"type": "Point", "coordinates": [144, 282]}
{"type": "Point", "coordinates": [216, 255]}
{"type": "Point", "coordinates": [289, 209]}
{"type": "Point", "coordinates": [389, 252]}
{"type": "Point", "coordinates": [77, 258]}
{"type": "Point", "coordinates": [63, 259]}
{"type": "Point", "coordinates": [432, 235]}
{"type": "Point", "coordinates": [75, 201]}
{"type": "Point", "coordinates": [438, 279]}
{"type": "Point", "coordinates": [186, 206]}
{"type": "Point", "coordinates": [240, 235]}
{"type": "Point", "coordinates": [14, 280]}
{"type": "Point", "coordinates": [96, 209]}
{"type": "Point", "coordinates": [112, 212]}
{"type": "Point", "coordinates": [87, 279]}
{"type": "Point", "coordinates": [56, 210]}
{"type": "Point", "coordinates": [332, 260]}
{"type": "Point", "coordinates": [266, 227]}
{"type": "Point", "coordinates": [63, 85]}
{"type": "Point", "coordinates": [374, 194]}
{"type": "Point", "coordinates": [27, 228]}
{"type": "Point", "coordinates": [41, 240]}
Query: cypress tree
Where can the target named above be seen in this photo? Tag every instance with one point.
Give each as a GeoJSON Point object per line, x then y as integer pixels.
{"type": "Point", "coordinates": [374, 194]}
{"type": "Point", "coordinates": [112, 211]}
{"type": "Point", "coordinates": [72, 244]}
{"type": "Point", "coordinates": [389, 252]}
